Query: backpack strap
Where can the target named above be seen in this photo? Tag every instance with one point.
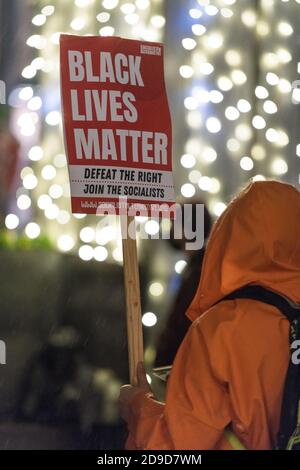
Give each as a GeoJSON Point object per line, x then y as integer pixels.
{"type": "Point", "coordinates": [255, 292]}
{"type": "Point", "coordinates": [291, 394]}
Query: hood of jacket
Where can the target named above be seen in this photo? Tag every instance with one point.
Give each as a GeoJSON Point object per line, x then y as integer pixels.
{"type": "Point", "coordinates": [255, 241]}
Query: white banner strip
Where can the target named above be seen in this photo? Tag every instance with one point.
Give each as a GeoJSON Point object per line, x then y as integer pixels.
{"type": "Point", "coordinates": [113, 182]}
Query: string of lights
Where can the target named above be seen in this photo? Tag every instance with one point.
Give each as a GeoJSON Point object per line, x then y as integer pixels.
{"type": "Point", "coordinates": [235, 66]}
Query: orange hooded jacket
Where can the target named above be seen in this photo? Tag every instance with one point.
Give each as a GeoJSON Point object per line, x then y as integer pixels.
{"type": "Point", "coordinates": [230, 369]}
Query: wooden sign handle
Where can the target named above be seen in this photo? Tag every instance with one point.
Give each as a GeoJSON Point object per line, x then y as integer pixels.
{"type": "Point", "coordinates": [133, 298]}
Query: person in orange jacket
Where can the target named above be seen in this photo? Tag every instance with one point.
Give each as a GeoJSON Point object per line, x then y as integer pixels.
{"type": "Point", "coordinates": [230, 370]}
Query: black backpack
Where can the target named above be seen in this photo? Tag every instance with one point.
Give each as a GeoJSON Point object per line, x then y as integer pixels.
{"type": "Point", "coordinates": [289, 432]}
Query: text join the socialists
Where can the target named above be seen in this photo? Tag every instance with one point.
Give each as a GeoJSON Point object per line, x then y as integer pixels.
{"type": "Point", "coordinates": [111, 106]}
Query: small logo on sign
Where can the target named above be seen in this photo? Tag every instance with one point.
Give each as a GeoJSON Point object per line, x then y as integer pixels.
{"type": "Point", "coordinates": [150, 50]}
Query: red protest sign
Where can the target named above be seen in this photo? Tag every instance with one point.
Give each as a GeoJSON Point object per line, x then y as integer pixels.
{"type": "Point", "coordinates": [117, 123]}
